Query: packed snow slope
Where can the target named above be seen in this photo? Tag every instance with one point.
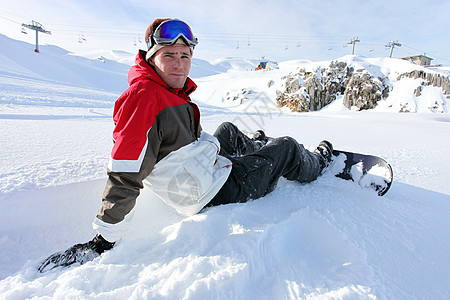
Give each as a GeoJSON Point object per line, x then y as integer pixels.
{"type": "Point", "coordinates": [328, 239]}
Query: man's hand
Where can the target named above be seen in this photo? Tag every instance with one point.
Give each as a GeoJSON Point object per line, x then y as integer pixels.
{"type": "Point", "coordinates": [79, 253]}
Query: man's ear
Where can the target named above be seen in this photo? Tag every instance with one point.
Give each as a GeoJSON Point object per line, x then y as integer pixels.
{"type": "Point", "coordinates": [151, 62]}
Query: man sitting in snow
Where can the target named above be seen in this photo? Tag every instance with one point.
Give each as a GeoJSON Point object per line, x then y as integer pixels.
{"type": "Point", "coordinates": [158, 139]}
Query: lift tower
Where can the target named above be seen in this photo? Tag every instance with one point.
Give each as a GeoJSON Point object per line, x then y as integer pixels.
{"type": "Point", "coordinates": [392, 45]}
{"type": "Point", "coordinates": [353, 43]}
{"type": "Point", "coordinates": [36, 26]}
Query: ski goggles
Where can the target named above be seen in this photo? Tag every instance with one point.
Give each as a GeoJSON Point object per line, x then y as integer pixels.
{"type": "Point", "coordinates": [168, 32]}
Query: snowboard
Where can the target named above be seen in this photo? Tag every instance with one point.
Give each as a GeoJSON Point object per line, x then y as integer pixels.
{"type": "Point", "coordinates": [368, 171]}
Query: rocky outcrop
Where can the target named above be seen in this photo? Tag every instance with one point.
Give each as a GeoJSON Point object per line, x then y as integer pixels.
{"type": "Point", "coordinates": [309, 91]}
{"type": "Point", "coordinates": [430, 79]}
{"type": "Point", "coordinates": [364, 91]}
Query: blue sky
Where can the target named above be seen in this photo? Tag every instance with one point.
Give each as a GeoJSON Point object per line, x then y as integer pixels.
{"type": "Point", "coordinates": [277, 30]}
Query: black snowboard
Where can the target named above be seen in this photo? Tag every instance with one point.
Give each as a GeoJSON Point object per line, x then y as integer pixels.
{"type": "Point", "coordinates": [367, 170]}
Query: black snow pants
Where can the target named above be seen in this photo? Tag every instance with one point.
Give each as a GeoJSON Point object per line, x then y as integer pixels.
{"type": "Point", "coordinates": [256, 169]}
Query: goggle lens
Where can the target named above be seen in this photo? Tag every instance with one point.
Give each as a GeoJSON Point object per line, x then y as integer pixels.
{"type": "Point", "coordinates": [172, 29]}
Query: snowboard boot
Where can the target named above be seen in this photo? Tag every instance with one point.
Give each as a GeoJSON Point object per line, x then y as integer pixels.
{"type": "Point", "coordinates": [324, 152]}
{"type": "Point", "coordinates": [260, 138]}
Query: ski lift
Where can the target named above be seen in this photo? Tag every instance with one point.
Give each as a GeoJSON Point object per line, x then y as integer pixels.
{"type": "Point", "coordinates": [249, 44]}
{"type": "Point", "coordinates": [237, 44]}
{"type": "Point", "coordinates": [287, 47]}
{"type": "Point", "coordinates": [371, 49]}
{"type": "Point", "coordinates": [81, 39]}
{"type": "Point", "coordinates": [24, 31]}
{"type": "Point", "coordinates": [298, 44]}
{"type": "Point", "coordinates": [345, 45]}
{"type": "Point", "coordinates": [330, 48]}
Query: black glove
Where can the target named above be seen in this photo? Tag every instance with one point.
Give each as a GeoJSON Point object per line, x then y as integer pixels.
{"type": "Point", "coordinates": [99, 244]}
{"type": "Point", "coordinates": [79, 253]}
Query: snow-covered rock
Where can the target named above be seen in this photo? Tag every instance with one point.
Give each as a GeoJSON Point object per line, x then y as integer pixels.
{"type": "Point", "coordinates": [363, 86]}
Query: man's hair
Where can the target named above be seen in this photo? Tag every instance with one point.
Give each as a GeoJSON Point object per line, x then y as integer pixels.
{"type": "Point", "coordinates": [152, 27]}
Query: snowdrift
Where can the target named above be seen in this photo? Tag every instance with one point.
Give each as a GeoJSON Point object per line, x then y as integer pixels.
{"type": "Point", "coordinates": [328, 239]}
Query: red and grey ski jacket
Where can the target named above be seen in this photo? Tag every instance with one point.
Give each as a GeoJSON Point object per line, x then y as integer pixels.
{"type": "Point", "coordinates": [158, 138]}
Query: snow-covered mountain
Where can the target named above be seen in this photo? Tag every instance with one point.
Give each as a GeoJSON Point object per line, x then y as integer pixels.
{"type": "Point", "coordinates": [328, 239]}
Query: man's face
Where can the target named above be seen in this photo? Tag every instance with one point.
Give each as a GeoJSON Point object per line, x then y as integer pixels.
{"type": "Point", "coordinates": [172, 63]}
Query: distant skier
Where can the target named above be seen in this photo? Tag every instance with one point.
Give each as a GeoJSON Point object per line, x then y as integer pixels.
{"type": "Point", "coordinates": [158, 138]}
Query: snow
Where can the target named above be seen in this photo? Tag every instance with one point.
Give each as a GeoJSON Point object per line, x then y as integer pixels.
{"type": "Point", "coordinates": [376, 175]}
{"type": "Point", "coordinates": [329, 239]}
